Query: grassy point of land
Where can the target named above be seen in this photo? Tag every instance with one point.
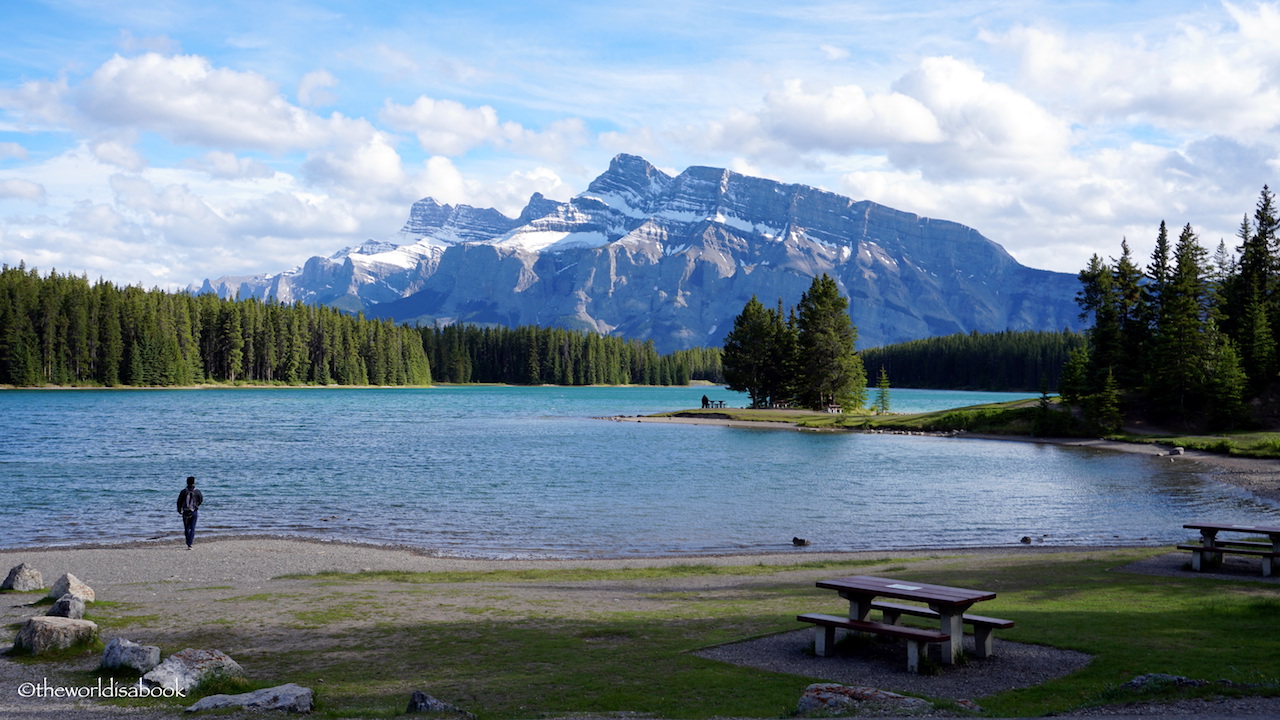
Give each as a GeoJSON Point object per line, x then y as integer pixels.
{"type": "Point", "coordinates": [1013, 418]}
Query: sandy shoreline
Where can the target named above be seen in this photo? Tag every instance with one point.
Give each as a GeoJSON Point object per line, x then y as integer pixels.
{"type": "Point", "coordinates": [1258, 476]}
{"type": "Point", "coordinates": [252, 558]}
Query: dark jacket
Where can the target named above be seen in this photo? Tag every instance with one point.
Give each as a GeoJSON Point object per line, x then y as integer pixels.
{"type": "Point", "coordinates": [182, 499]}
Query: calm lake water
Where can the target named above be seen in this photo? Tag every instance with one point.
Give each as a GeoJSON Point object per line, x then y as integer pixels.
{"type": "Point", "coordinates": [506, 472]}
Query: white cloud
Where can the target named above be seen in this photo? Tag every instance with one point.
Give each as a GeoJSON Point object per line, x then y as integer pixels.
{"type": "Point", "coordinates": [834, 53]}
{"type": "Point", "coordinates": [188, 100]}
{"type": "Point", "coordinates": [227, 166]}
{"type": "Point", "coordinates": [845, 118]}
{"type": "Point", "coordinates": [359, 160]}
{"type": "Point", "coordinates": [38, 103]}
{"type": "Point", "coordinates": [313, 89]}
{"type": "Point", "coordinates": [1194, 77]}
{"type": "Point", "coordinates": [988, 128]}
{"type": "Point", "coordinates": [447, 127]}
{"type": "Point", "coordinates": [12, 150]}
{"type": "Point", "coordinates": [118, 153]}
{"type": "Point", "coordinates": [22, 190]}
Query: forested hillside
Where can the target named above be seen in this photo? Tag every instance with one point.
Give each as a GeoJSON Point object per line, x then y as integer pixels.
{"type": "Point", "coordinates": [62, 330]}
{"type": "Point", "coordinates": [1003, 361]}
{"type": "Point", "coordinates": [555, 356]}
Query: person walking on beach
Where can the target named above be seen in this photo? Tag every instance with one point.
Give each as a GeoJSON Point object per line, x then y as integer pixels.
{"type": "Point", "coordinates": [189, 506]}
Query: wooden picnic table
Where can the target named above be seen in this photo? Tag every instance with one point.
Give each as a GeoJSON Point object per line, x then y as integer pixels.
{"type": "Point", "coordinates": [949, 603]}
{"type": "Point", "coordinates": [1211, 549]}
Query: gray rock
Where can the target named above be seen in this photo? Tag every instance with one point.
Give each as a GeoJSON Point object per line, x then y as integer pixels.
{"type": "Point", "coordinates": [822, 699]}
{"type": "Point", "coordinates": [185, 669]}
{"type": "Point", "coordinates": [68, 606]}
{"type": "Point", "coordinates": [288, 697]}
{"type": "Point", "coordinates": [122, 653]}
{"type": "Point", "coordinates": [69, 583]}
{"type": "Point", "coordinates": [44, 633]}
{"type": "Point", "coordinates": [22, 578]}
{"type": "Point", "coordinates": [1149, 680]}
{"type": "Point", "coordinates": [424, 703]}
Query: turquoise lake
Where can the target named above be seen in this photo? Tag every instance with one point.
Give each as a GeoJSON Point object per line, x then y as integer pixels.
{"type": "Point", "coordinates": [534, 471]}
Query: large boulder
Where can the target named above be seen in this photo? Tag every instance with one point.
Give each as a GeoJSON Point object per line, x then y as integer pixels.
{"type": "Point", "coordinates": [69, 583]}
{"type": "Point", "coordinates": [185, 669]}
{"type": "Point", "coordinates": [288, 697]}
{"type": "Point", "coordinates": [22, 578]}
{"type": "Point", "coordinates": [68, 606]}
{"type": "Point", "coordinates": [824, 699]}
{"type": "Point", "coordinates": [122, 653]}
{"type": "Point", "coordinates": [43, 633]}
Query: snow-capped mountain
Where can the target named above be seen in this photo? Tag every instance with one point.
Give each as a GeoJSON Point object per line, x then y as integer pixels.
{"type": "Point", "coordinates": [646, 255]}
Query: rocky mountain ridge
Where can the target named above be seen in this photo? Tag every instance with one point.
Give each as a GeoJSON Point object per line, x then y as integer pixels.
{"type": "Point", "coordinates": [644, 254]}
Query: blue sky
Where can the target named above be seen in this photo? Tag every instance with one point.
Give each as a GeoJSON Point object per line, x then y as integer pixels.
{"type": "Point", "coordinates": [167, 141]}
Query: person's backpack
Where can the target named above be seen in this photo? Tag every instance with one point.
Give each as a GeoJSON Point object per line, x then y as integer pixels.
{"type": "Point", "coordinates": [189, 504]}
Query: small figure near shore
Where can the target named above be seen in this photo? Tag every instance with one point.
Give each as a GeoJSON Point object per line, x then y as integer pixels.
{"type": "Point", "coordinates": [189, 507]}
{"type": "Point", "coordinates": [706, 402]}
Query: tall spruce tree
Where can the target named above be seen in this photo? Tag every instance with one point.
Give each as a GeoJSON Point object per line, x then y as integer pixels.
{"type": "Point", "coordinates": [1183, 335]}
{"type": "Point", "coordinates": [830, 371]}
{"type": "Point", "coordinates": [746, 358]}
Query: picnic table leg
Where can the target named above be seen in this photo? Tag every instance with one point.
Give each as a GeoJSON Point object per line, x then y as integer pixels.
{"type": "Point", "coordinates": [1209, 538]}
{"type": "Point", "coordinates": [983, 640]}
{"type": "Point", "coordinates": [953, 626]}
{"type": "Point", "coordinates": [859, 609]}
{"type": "Point", "coordinates": [824, 639]}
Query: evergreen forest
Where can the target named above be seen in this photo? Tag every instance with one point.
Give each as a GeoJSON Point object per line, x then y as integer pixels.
{"type": "Point", "coordinates": [1190, 338]}
{"type": "Point", "coordinates": [62, 330]}
{"type": "Point", "coordinates": [555, 356]}
{"type": "Point", "coordinates": [1009, 361]}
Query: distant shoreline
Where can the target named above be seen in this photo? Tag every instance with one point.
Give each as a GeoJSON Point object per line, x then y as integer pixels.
{"type": "Point", "coordinates": [276, 386]}
{"type": "Point", "coordinates": [1260, 477]}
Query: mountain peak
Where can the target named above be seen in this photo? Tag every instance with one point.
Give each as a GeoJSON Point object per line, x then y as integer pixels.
{"type": "Point", "coordinates": [631, 185]}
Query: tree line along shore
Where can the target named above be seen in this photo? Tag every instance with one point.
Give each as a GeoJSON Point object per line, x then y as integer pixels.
{"type": "Point", "coordinates": [63, 330]}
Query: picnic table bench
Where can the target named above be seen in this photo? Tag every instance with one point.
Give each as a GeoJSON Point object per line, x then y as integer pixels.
{"type": "Point", "coordinates": [1209, 553]}
{"type": "Point", "coordinates": [826, 625]}
{"type": "Point", "coordinates": [945, 604]}
{"type": "Point", "coordinates": [983, 627]}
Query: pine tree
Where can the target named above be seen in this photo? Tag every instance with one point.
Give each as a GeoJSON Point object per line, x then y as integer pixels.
{"type": "Point", "coordinates": [882, 393]}
{"type": "Point", "coordinates": [1181, 346]}
{"type": "Point", "coordinates": [1104, 410]}
{"type": "Point", "coordinates": [830, 371]}
{"type": "Point", "coordinates": [1098, 299]}
{"type": "Point", "coordinates": [1228, 384]}
{"type": "Point", "coordinates": [746, 358]}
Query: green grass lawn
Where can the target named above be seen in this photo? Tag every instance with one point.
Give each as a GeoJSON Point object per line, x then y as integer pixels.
{"type": "Point", "coordinates": [507, 660]}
